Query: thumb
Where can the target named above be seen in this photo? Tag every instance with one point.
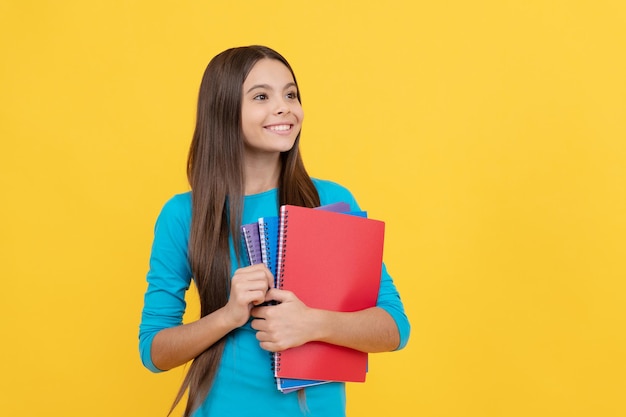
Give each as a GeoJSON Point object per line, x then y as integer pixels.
{"type": "Point", "coordinates": [274, 294]}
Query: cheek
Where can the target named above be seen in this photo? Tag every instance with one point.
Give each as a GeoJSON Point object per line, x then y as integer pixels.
{"type": "Point", "coordinates": [248, 129]}
{"type": "Point", "coordinates": [250, 118]}
{"type": "Point", "coordinates": [299, 112]}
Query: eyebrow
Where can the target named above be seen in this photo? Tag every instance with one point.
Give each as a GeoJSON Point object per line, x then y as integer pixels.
{"type": "Point", "coordinates": [268, 87]}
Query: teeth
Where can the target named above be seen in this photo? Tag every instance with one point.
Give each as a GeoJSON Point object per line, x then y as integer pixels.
{"type": "Point", "coordinates": [280, 127]}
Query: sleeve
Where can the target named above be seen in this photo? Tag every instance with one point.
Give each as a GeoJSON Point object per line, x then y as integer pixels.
{"type": "Point", "coordinates": [389, 300]}
{"type": "Point", "coordinates": [388, 296]}
{"type": "Point", "coordinates": [168, 278]}
{"type": "Point", "coordinates": [331, 192]}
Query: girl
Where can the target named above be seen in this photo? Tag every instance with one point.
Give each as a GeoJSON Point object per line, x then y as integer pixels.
{"type": "Point", "coordinates": [244, 162]}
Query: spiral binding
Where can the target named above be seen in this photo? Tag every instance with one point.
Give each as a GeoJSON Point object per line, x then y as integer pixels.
{"type": "Point", "coordinates": [251, 254]}
{"type": "Point", "coordinates": [276, 363]}
{"type": "Point", "coordinates": [265, 244]}
{"type": "Point", "coordinates": [280, 268]}
{"type": "Point", "coordinates": [282, 246]}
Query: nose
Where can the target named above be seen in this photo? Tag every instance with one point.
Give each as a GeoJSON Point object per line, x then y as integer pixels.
{"type": "Point", "coordinates": [282, 107]}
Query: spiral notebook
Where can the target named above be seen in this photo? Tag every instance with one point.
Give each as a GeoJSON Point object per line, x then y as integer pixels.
{"type": "Point", "coordinates": [251, 241]}
{"type": "Point", "coordinates": [260, 243]}
{"type": "Point", "coordinates": [268, 237]}
{"type": "Point", "coordinates": [330, 261]}
{"type": "Point", "coordinates": [268, 228]}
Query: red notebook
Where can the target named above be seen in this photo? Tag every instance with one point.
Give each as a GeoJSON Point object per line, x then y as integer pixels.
{"type": "Point", "coordinates": [331, 261]}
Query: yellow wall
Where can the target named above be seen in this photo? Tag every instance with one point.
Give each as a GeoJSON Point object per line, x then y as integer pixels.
{"type": "Point", "coordinates": [489, 134]}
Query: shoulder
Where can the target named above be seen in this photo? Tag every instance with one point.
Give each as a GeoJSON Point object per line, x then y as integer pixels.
{"type": "Point", "coordinates": [332, 192]}
{"type": "Point", "coordinates": [179, 203]}
{"type": "Point", "coordinates": [176, 210]}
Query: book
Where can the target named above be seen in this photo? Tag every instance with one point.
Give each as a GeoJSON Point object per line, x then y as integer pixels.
{"type": "Point", "coordinates": [268, 234]}
{"type": "Point", "coordinates": [260, 244]}
{"type": "Point", "coordinates": [268, 228]}
{"type": "Point", "coordinates": [340, 207]}
{"type": "Point", "coordinates": [331, 261]}
{"type": "Point", "coordinates": [287, 385]}
{"type": "Point", "coordinates": [251, 242]}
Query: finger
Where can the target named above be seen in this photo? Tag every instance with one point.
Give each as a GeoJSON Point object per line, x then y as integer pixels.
{"type": "Point", "coordinates": [259, 325]}
{"type": "Point", "coordinates": [255, 267]}
{"type": "Point", "coordinates": [246, 294]}
{"type": "Point", "coordinates": [262, 312]}
{"type": "Point", "coordinates": [274, 294]}
{"type": "Point", "coordinates": [243, 284]}
{"type": "Point", "coordinates": [262, 275]}
{"type": "Point", "coordinates": [261, 269]}
{"type": "Point", "coordinates": [267, 275]}
{"type": "Point", "coordinates": [270, 346]}
{"type": "Point", "coordinates": [259, 297]}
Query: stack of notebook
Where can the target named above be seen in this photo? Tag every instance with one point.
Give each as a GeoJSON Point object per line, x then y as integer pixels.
{"type": "Point", "coordinates": [331, 259]}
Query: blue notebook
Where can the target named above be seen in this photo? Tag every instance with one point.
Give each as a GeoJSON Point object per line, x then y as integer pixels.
{"type": "Point", "coordinates": [268, 237]}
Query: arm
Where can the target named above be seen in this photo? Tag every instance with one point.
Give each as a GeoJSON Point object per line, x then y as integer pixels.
{"type": "Point", "coordinates": [175, 346]}
{"type": "Point", "coordinates": [371, 330]}
{"type": "Point", "coordinates": [385, 327]}
{"type": "Point", "coordinates": [164, 342]}
{"type": "Point", "coordinates": [291, 323]}
{"type": "Point", "coordinates": [178, 345]}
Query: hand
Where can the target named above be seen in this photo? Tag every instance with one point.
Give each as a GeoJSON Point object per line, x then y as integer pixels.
{"type": "Point", "coordinates": [248, 288]}
{"type": "Point", "coordinates": [285, 325]}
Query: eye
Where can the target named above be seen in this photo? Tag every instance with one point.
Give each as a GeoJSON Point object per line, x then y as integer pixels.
{"type": "Point", "coordinates": [292, 95]}
{"type": "Point", "coordinates": [260, 96]}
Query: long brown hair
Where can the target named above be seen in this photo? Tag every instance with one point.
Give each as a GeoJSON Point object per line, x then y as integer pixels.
{"type": "Point", "coordinates": [215, 173]}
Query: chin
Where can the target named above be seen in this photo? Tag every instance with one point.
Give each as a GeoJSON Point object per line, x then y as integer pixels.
{"type": "Point", "coordinates": [286, 146]}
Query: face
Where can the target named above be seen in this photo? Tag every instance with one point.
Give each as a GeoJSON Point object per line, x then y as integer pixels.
{"type": "Point", "coordinates": [271, 115]}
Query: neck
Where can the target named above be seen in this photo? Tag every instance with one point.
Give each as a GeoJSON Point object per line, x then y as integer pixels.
{"type": "Point", "coordinates": [261, 175]}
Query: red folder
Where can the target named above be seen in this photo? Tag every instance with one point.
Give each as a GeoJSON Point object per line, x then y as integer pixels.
{"type": "Point", "coordinates": [331, 261]}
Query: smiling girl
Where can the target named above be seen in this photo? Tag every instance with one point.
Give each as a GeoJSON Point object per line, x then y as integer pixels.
{"type": "Point", "coordinates": [244, 162]}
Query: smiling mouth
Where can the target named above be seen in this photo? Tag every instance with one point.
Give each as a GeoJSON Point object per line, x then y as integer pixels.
{"type": "Point", "coordinates": [279, 128]}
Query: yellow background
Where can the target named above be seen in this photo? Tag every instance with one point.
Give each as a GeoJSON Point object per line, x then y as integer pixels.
{"type": "Point", "coordinates": [489, 135]}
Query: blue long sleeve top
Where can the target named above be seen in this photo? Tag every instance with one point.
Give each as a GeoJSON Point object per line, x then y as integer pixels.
{"type": "Point", "coordinates": [244, 384]}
